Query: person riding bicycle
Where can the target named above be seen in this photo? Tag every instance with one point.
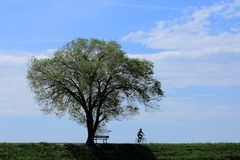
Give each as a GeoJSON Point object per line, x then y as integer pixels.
{"type": "Point", "coordinates": [140, 134]}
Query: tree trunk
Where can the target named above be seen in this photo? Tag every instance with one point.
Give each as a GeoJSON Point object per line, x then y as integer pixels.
{"type": "Point", "coordinates": [90, 139]}
{"type": "Point", "coordinates": [91, 131]}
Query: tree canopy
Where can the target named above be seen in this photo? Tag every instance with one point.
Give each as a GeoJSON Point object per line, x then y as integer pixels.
{"type": "Point", "coordinates": [94, 81]}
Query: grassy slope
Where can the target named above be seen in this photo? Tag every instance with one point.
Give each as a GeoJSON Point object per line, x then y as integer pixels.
{"type": "Point", "coordinates": [44, 151]}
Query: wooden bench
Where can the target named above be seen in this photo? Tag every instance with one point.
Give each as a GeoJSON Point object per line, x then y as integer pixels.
{"type": "Point", "coordinates": [104, 138]}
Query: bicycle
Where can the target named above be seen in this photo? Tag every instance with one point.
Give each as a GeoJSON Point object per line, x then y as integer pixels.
{"type": "Point", "coordinates": [140, 140]}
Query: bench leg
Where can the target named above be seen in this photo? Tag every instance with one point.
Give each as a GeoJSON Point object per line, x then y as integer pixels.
{"type": "Point", "coordinates": [104, 140]}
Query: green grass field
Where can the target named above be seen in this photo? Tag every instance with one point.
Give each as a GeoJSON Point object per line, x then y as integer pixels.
{"type": "Point", "coordinates": [46, 151]}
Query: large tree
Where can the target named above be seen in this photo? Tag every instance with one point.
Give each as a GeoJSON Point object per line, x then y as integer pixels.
{"type": "Point", "coordinates": [94, 82]}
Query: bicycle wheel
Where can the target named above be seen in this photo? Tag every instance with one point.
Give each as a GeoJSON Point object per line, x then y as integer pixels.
{"type": "Point", "coordinates": [144, 140]}
{"type": "Point", "coordinates": [137, 140]}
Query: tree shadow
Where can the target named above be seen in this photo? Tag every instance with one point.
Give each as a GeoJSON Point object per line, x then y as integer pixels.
{"type": "Point", "coordinates": [110, 152]}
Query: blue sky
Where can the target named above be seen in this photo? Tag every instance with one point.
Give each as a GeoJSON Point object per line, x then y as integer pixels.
{"type": "Point", "coordinates": [194, 46]}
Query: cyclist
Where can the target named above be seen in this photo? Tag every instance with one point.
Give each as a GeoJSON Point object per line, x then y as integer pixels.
{"type": "Point", "coordinates": [140, 134]}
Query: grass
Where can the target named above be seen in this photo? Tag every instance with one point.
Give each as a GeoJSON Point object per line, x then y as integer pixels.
{"type": "Point", "coordinates": [46, 151]}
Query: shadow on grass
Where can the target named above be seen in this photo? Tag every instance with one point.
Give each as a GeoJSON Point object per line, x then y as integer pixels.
{"type": "Point", "coordinates": [110, 152]}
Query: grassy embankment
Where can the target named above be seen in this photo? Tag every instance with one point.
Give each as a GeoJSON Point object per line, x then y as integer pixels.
{"type": "Point", "coordinates": [45, 151]}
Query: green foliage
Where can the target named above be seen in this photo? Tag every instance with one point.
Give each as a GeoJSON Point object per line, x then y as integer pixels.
{"type": "Point", "coordinates": [94, 81]}
{"type": "Point", "coordinates": [201, 151]}
{"type": "Point", "coordinates": [220, 151]}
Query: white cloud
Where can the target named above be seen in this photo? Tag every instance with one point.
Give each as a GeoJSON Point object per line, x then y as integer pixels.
{"type": "Point", "coordinates": [16, 99]}
{"type": "Point", "coordinates": [208, 71]}
{"type": "Point", "coordinates": [12, 59]}
{"type": "Point", "coordinates": [203, 31]}
{"type": "Point", "coordinates": [193, 46]}
{"type": "Point", "coordinates": [15, 96]}
{"type": "Point", "coordinates": [21, 57]}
